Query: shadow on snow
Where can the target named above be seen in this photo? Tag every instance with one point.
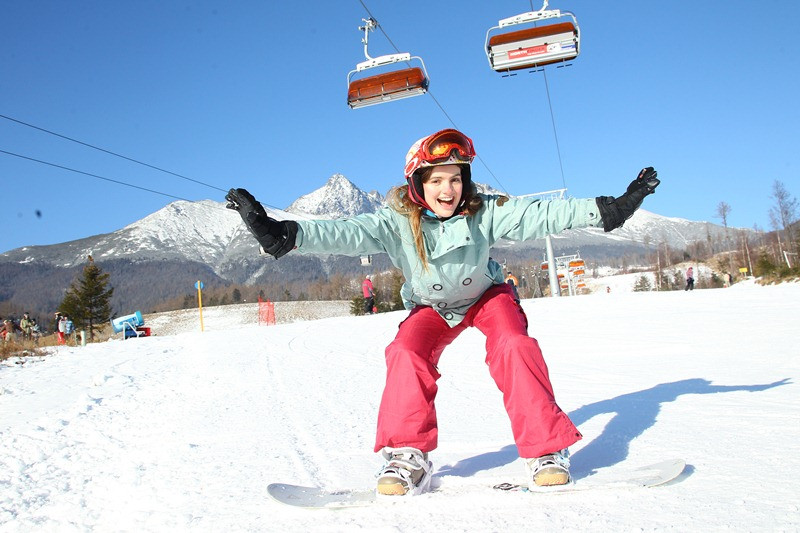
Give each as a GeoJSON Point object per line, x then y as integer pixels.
{"type": "Point", "coordinates": [634, 413]}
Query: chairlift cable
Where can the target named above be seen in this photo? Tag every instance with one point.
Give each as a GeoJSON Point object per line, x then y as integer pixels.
{"type": "Point", "coordinates": [125, 184]}
{"type": "Point", "coordinates": [555, 133]}
{"type": "Point", "coordinates": [435, 100]}
{"type": "Point", "coordinates": [110, 152]}
{"type": "Point", "coordinates": [552, 115]}
{"type": "Point", "coordinates": [118, 182]}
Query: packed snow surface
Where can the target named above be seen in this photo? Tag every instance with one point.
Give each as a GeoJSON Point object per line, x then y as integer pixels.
{"type": "Point", "coordinates": [185, 431]}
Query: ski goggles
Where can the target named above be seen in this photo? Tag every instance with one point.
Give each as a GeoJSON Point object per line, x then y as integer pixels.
{"type": "Point", "coordinates": [443, 147]}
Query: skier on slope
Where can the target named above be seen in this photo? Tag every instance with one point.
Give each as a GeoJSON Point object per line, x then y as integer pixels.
{"type": "Point", "coordinates": [438, 231]}
{"type": "Point", "coordinates": [369, 295]}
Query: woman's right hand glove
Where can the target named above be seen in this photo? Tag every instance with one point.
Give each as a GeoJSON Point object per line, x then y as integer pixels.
{"type": "Point", "coordinates": [275, 237]}
{"type": "Point", "coordinates": [615, 211]}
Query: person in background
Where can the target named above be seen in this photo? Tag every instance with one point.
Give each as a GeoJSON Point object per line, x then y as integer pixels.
{"type": "Point", "coordinates": [512, 280]}
{"type": "Point", "coordinates": [438, 230]}
{"type": "Point", "coordinates": [728, 279]}
{"type": "Point", "coordinates": [36, 332]}
{"type": "Point", "coordinates": [25, 326]}
{"type": "Point", "coordinates": [369, 295]}
{"type": "Point", "coordinates": [60, 326]}
{"type": "Point", "coordinates": [9, 329]}
{"type": "Point", "coordinates": [69, 330]}
{"type": "Point", "coordinates": [689, 279]}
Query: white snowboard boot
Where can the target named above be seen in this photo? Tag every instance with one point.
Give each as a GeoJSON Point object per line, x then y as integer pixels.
{"type": "Point", "coordinates": [548, 470]}
{"type": "Point", "coordinates": [407, 471]}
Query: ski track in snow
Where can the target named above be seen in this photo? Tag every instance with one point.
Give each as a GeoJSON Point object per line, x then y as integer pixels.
{"type": "Point", "coordinates": [184, 430]}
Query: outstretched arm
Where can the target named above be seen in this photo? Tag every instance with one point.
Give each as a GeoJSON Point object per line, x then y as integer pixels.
{"type": "Point", "coordinates": [275, 237]}
{"type": "Point", "coordinates": [615, 211]}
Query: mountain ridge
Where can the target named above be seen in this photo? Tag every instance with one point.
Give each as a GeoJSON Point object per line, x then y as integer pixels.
{"type": "Point", "coordinates": [189, 239]}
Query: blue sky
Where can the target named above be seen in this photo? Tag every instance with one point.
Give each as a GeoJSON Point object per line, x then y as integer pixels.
{"type": "Point", "coordinates": [253, 94]}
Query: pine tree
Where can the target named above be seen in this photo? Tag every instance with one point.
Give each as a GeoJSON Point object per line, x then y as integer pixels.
{"type": "Point", "coordinates": [642, 284]}
{"type": "Point", "coordinates": [88, 300]}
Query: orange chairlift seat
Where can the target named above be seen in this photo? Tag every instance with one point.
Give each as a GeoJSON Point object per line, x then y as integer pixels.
{"type": "Point", "coordinates": [387, 86]}
{"type": "Point", "coordinates": [555, 42]}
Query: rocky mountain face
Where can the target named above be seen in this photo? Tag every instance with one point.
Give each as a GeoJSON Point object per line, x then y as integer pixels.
{"type": "Point", "coordinates": [338, 198]}
{"type": "Point", "coordinates": [162, 255]}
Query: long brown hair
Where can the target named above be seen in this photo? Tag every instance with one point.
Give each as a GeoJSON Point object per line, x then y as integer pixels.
{"type": "Point", "coordinates": [399, 200]}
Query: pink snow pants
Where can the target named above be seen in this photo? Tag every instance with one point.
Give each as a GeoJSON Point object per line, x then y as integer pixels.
{"type": "Point", "coordinates": [407, 415]}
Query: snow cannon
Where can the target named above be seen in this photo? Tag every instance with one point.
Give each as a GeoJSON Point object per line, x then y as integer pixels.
{"type": "Point", "coordinates": [128, 321]}
{"type": "Point", "coordinates": [130, 325]}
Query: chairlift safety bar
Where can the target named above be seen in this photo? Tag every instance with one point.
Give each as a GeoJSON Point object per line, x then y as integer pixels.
{"type": "Point", "coordinates": [532, 16]}
{"type": "Point", "coordinates": [383, 60]}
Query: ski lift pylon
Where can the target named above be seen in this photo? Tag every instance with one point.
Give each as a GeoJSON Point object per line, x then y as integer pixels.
{"type": "Point", "coordinates": [388, 86]}
{"type": "Point", "coordinates": [534, 47]}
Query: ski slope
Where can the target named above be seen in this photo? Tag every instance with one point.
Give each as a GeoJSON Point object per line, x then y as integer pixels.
{"type": "Point", "coordinates": [184, 432]}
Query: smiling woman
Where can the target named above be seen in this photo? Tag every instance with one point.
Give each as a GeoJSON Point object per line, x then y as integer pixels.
{"type": "Point", "coordinates": [439, 231]}
{"type": "Point", "coordinates": [443, 188]}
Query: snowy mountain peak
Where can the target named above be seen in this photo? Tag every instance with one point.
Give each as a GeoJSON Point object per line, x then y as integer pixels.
{"type": "Point", "coordinates": [338, 198]}
{"type": "Point", "coordinates": [340, 180]}
{"type": "Point", "coordinates": [487, 189]}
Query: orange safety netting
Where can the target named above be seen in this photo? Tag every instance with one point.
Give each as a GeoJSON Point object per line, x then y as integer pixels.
{"type": "Point", "coordinates": [266, 312]}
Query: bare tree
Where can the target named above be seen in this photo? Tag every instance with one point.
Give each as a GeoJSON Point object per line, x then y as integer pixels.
{"type": "Point", "coordinates": [723, 210]}
{"type": "Point", "coordinates": [783, 214]}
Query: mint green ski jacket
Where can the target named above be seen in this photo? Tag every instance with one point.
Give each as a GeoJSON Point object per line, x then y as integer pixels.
{"type": "Point", "coordinates": [459, 270]}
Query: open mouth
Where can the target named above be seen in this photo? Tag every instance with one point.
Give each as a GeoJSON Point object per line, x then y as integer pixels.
{"type": "Point", "coordinates": [448, 202]}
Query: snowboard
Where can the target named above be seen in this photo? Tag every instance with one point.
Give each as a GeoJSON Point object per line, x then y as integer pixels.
{"type": "Point", "coordinates": [319, 498]}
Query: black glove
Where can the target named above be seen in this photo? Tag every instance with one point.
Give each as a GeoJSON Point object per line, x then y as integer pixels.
{"type": "Point", "coordinates": [615, 211]}
{"type": "Point", "coordinates": [276, 238]}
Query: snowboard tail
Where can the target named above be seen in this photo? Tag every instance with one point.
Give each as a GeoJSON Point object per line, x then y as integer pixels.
{"type": "Point", "coordinates": [318, 498]}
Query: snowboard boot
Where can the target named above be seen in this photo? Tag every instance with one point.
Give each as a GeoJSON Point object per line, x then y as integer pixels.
{"type": "Point", "coordinates": [407, 471]}
{"type": "Point", "coordinates": [549, 470]}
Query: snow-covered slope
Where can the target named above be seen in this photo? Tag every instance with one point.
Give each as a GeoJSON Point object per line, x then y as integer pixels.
{"type": "Point", "coordinates": [184, 432]}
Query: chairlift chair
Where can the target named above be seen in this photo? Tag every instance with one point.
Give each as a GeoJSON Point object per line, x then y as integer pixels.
{"type": "Point", "coordinates": [387, 86]}
{"type": "Point", "coordinates": [555, 42]}
{"type": "Point", "coordinates": [577, 263]}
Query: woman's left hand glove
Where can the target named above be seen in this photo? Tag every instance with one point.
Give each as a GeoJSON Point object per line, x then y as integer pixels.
{"type": "Point", "coordinates": [277, 238]}
{"type": "Point", "coordinates": [615, 211]}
